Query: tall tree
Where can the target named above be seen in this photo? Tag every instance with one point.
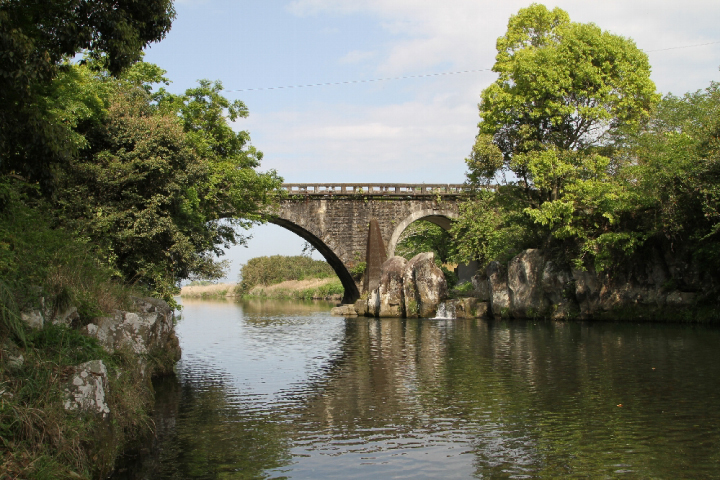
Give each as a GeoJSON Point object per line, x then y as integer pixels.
{"type": "Point", "coordinates": [36, 36]}
{"type": "Point", "coordinates": [162, 182]}
{"type": "Point", "coordinates": [565, 93]}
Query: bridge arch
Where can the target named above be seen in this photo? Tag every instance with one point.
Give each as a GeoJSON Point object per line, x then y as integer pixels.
{"type": "Point", "coordinates": [431, 215]}
{"type": "Point", "coordinates": [351, 290]}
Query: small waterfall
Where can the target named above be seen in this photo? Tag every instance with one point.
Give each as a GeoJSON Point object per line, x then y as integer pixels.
{"type": "Point", "coordinates": [446, 310]}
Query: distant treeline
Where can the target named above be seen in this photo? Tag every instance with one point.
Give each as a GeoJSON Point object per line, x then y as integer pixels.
{"type": "Point", "coordinates": [280, 268]}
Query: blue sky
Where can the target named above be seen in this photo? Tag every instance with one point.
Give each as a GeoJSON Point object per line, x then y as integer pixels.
{"type": "Point", "coordinates": [411, 130]}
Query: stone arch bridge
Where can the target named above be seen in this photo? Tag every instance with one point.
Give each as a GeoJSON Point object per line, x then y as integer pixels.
{"type": "Point", "coordinates": [353, 223]}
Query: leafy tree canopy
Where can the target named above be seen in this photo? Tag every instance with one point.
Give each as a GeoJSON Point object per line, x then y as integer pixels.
{"type": "Point", "coordinates": [161, 182]}
{"type": "Point", "coordinates": [567, 94]}
{"type": "Point", "coordinates": [36, 37]}
{"type": "Point", "coordinates": [562, 86]}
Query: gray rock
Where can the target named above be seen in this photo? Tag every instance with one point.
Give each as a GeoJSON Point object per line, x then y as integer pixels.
{"type": "Point", "coordinates": [524, 282]}
{"type": "Point", "coordinates": [481, 286]}
{"type": "Point", "coordinates": [390, 290]}
{"type": "Point", "coordinates": [424, 286]}
{"type": "Point", "coordinates": [66, 317]}
{"type": "Point", "coordinates": [87, 388]}
{"type": "Point", "coordinates": [498, 285]}
{"type": "Point", "coordinates": [33, 318]}
{"type": "Point", "coordinates": [347, 310]}
{"type": "Point", "coordinates": [150, 328]}
{"type": "Point", "coordinates": [361, 307]}
{"type": "Point", "coordinates": [373, 304]}
{"type": "Point", "coordinates": [587, 292]}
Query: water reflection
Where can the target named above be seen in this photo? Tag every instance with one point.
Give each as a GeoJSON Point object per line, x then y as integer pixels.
{"type": "Point", "coordinates": [265, 391]}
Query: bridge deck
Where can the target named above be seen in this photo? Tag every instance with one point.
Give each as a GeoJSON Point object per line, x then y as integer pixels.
{"type": "Point", "coordinates": [377, 189]}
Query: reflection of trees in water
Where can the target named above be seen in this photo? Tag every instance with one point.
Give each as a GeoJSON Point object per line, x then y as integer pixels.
{"type": "Point", "coordinates": [204, 431]}
{"type": "Point", "coordinates": [539, 399]}
{"type": "Point", "coordinates": [520, 398]}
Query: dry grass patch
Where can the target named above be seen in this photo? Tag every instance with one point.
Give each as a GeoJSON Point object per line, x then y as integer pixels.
{"type": "Point", "coordinates": [217, 290]}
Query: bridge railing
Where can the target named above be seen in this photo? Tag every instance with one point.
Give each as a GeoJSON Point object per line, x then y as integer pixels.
{"type": "Point", "coordinates": [378, 189]}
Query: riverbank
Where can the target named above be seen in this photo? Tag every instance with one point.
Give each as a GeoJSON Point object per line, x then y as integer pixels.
{"type": "Point", "coordinates": [75, 394]}
{"type": "Point", "coordinates": [330, 289]}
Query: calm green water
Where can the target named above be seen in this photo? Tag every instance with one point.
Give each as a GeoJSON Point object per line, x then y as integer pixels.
{"type": "Point", "coordinates": [284, 390]}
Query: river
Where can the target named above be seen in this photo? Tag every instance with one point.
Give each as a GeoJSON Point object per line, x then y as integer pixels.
{"type": "Point", "coordinates": [269, 389]}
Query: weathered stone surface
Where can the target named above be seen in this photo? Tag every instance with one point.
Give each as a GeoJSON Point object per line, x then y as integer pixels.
{"type": "Point", "coordinates": [361, 307]}
{"type": "Point", "coordinates": [526, 298]}
{"type": "Point", "coordinates": [347, 310]}
{"type": "Point", "coordinates": [390, 289]}
{"type": "Point", "coordinates": [424, 286]}
{"type": "Point", "coordinates": [150, 327]}
{"type": "Point", "coordinates": [66, 317]}
{"type": "Point", "coordinates": [481, 286]}
{"type": "Point", "coordinates": [375, 256]}
{"type": "Point", "coordinates": [677, 298]}
{"type": "Point", "coordinates": [470, 307]}
{"type": "Point", "coordinates": [87, 388]}
{"type": "Point", "coordinates": [498, 286]}
{"type": "Point", "coordinates": [33, 318]}
{"type": "Point", "coordinates": [373, 304]}
{"type": "Point", "coordinates": [643, 287]}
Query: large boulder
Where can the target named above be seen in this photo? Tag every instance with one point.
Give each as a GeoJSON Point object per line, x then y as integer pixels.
{"type": "Point", "coordinates": [149, 328]}
{"type": "Point", "coordinates": [524, 280]}
{"type": "Point", "coordinates": [424, 286]}
{"type": "Point", "coordinates": [87, 388]}
{"type": "Point", "coordinates": [390, 290]}
{"type": "Point", "coordinates": [498, 286]}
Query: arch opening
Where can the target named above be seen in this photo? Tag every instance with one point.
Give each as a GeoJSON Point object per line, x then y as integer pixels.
{"type": "Point", "coordinates": [351, 290]}
{"type": "Point", "coordinates": [431, 216]}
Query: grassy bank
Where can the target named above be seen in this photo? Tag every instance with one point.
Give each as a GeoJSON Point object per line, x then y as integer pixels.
{"type": "Point", "coordinates": [45, 268]}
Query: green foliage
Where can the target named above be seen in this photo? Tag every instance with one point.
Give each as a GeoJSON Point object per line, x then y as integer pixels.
{"type": "Point", "coordinates": [567, 98]}
{"type": "Point", "coordinates": [492, 226]}
{"type": "Point", "coordinates": [35, 39]}
{"type": "Point", "coordinates": [162, 183]}
{"type": "Point", "coordinates": [423, 236]}
{"type": "Point", "coordinates": [358, 270]}
{"type": "Point", "coordinates": [561, 84]}
{"type": "Point", "coordinates": [38, 259]}
{"type": "Point", "coordinates": [279, 268]}
{"type": "Point", "coordinates": [677, 172]}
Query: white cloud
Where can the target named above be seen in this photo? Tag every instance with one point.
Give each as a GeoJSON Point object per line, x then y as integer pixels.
{"type": "Point", "coordinates": [357, 56]}
{"type": "Point", "coordinates": [462, 33]}
{"type": "Point", "coordinates": [413, 141]}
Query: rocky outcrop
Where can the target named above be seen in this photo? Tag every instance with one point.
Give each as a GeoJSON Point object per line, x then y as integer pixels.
{"type": "Point", "coordinates": [466, 307]}
{"type": "Point", "coordinates": [497, 278]}
{"type": "Point", "coordinates": [533, 285]}
{"type": "Point", "coordinates": [87, 388]}
{"type": "Point", "coordinates": [390, 290]}
{"type": "Point", "coordinates": [424, 286]}
{"type": "Point", "coordinates": [525, 294]}
{"type": "Point", "coordinates": [347, 310]}
{"type": "Point", "coordinates": [406, 289]}
{"type": "Point", "coordinates": [149, 328]}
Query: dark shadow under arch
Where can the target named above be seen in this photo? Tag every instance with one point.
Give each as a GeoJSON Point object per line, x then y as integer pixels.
{"type": "Point", "coordinates": [351, 291]}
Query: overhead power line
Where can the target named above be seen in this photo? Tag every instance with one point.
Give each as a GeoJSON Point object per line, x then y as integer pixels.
{"type": "Point", "coordinates": [361, 81]}
{"type": "Point", "coordinates": [684, 46]}
{"type": "Point", "coordinates": [348, 82]}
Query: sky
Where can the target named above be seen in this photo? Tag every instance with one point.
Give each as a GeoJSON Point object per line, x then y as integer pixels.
{"type": "Point", "coordinates": [405, 78]}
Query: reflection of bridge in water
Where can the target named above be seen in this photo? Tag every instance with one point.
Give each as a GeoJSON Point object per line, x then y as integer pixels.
{"type": "Point", "coordinates": [349, 223]}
